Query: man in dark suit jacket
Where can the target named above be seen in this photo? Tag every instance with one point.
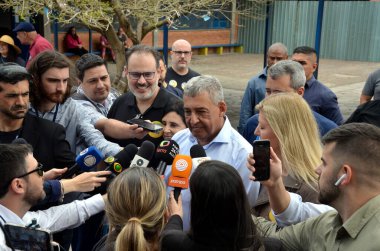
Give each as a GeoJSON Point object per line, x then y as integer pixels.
{"type": "Point", "coordinates": [47, 138]}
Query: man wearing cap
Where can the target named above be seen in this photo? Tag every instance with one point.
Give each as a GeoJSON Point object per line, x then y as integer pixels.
{"type": "Point", "coordinates": [9, 52]}
{"type": "Point", "coordinates": [28, 35]}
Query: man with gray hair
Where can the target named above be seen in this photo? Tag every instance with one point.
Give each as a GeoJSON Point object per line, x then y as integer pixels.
{"type": "Point", "coordinates": [255, 91]}
{"type": "Point", "coordinates": [286, 76]}
{"type": "Point", "coordinates": [208, 126]}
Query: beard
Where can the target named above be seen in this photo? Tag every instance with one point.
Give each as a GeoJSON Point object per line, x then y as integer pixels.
{"type": "Point", "coordinates": [57, 97]}
{"type": "Point", "coordinates": [16, 112]}
{"type": "Point", "coordinates": [32, 197]}
{"type": "Point", "coordinates": [327, 195]}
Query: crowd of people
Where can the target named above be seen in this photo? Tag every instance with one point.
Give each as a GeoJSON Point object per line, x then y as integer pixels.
{"type": "Point", "coordinates": [323, 191]}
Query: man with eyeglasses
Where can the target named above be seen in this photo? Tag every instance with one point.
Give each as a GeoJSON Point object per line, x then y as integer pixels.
{"type": "Point", "coordinates": [21, 187]}
{"type": "Point", "coordinates": [179, 73]}
{"type": "Point", "coordinates": [144, 100]}
{"type": "Point", "coordinates": [320, 98]}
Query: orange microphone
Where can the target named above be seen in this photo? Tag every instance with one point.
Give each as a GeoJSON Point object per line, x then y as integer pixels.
{"type": "Point", "coordinates": [181, 170]}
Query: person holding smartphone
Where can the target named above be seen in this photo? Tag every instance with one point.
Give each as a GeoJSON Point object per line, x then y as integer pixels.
{"type": "Point", "coordinates": [287, 122]}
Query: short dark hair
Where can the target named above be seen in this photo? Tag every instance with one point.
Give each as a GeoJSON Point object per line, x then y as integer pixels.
{"type": "Point", "coordinates": [220, 212]}
{"type": "Point", "coordinates": [42, 63]}
{"type": "Point", "coordinates": [305, 50]}
{"type": "Point", "coordinates": [12, 73]}
{"type": "Point", "coordinates": [176, 107]}
{"type": "Point", "coordinates": [357, 144]}
{"type": "Point", "coordinates": [12, 163]}
{"type": "Point", "coordinates": [88, 61]}
{"type": "Point", "coordinates": [143, 49]}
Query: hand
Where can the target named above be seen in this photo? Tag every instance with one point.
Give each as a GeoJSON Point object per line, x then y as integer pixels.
{"type": "Point", "coordinates": [54, 173]}
{"type": "Point", "coordinates": [137, 132]}
{"type": "Point", "coordinates": [275, 169]}
{"type": "Point", "coordinates": [174, 206]}
{"type": "Point", "coordinates": [85, 182]}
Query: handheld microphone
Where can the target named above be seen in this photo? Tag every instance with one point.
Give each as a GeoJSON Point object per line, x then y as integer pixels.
{"type": "Point", "coordinates": [86, 160]}
{"type": "Point", "coordinates": [165, 152]}
{"type": "Point", "coordinates": [198, 155]}
{"type": "Point", "coordinates": [144, 154]}
{"type": "Point", "coordinates": [181, 170]}
{"type": "Point", "coordinates": [121, 161]}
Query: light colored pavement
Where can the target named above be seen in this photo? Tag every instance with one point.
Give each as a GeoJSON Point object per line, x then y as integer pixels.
{"type": "Point", "coordinates": [345, 78]}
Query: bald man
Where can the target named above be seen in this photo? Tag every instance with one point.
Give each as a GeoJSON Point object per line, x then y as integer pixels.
{"type": "Point", "coordinates": [255, 91]}
{"type": "Point", "coordinates": [179, 73]}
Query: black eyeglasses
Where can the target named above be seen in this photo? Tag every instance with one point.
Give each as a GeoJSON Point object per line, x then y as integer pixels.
{"type": "Point", "coordinates": [146, 75]}
{"type": "Point", "coordinates": [39, 171]}
{"type": "Point", "coordinates": [179, 53]}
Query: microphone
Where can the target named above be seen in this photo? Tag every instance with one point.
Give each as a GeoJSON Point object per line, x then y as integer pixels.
{"type": "Point", "coordinates": [181, 170]}
{"type": "Point", "coordinates": [165, 152]}
{"type": "Point", "coordinates": [144, 154]}
{"type": "Point", "coordinates": [86, 160]}
{"type": "Point", "coordinates": [198, 155]}
{"type": "Point", "coordinates": [121, 161]}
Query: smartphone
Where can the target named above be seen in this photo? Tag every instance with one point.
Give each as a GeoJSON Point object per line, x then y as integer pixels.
{"type": "Point", "coordinates": [146, 125]}
{"type": "Point", "coordinates": [23, 238]}
{"type": "Point", "coordinates": [261, 155]}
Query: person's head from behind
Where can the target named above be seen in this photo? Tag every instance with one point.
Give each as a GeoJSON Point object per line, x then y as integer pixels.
{"type": "Point", "coordinates": [14, 91]}
{"type": "Point", "coordinates": [288, 122]}
{"type": "Point", "coordinates": [52, 75]}
{"type": "Point", "coordinates": [135, 209]}
{"type": "Point", "coordinates": [181, 55]}
{"type": "Point", "coordinates": [220, 212]}
{"type": "Point", "coordinates": [143, 72]}
{"type": "Point", "coordinates": [20, 175]}
{"type": "Point", "coordinates": [204, 107]}
{"type": "Point", "coordinates": [93, 77]}
{"type": "Point", "coordinates": [307, 57]}
{"type": "Point", "coordinates": [276, 52]}
{"type": "Point", "coordinates": [26, 33]}
{"type": "Point", "coordinates": [351, 150]}
{"type": "Point", "coordinates": [285, 76]}
{"type": "Point", "coordinates": [173, 119]}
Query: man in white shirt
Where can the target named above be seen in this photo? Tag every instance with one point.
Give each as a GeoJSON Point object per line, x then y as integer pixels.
{"type": "Point", "coordinates": [21, 179]}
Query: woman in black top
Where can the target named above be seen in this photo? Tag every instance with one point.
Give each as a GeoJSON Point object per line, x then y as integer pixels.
{"type": "Point", "coordinates": [220, 213]}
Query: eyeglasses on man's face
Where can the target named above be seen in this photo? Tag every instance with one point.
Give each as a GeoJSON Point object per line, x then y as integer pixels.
{"type": "Point", "coordinates": [38, 169]}
{"type": "Point", "coordinates": [179, 53]}
{"type": "Point", "coordinates": [146, 75]}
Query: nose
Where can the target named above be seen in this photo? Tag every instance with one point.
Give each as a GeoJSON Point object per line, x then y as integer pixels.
{"type": "Point", "coordinates": [318, 170]}
{"type": "Point", "coordinates": [193, 118]}
{"type": "Point", "coordinates": [141, 79]}
{"type": "Point", "coordinates": [20, 100]}
{"type": "Point", "coordinates": [100, 84]}
{"type": "Point", "coordinates": [60, 85]}
{"type": "Point", "coordinates": [257, 131]}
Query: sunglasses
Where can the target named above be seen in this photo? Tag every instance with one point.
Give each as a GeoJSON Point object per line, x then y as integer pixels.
{"type": "Point", "coordinates": [39, 171]}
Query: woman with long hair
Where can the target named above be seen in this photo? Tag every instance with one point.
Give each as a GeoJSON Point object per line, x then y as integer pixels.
{"type": "Point", "coordinates": [73, 43]}
{"type": "Point", "coordinates": [135, 211]}
{"type": "Point", "coordinates": [9, 52]}
{"type": "Point", "coordinates": [220, 214]}
{"type": "Point", "coordinates": [286, 120]}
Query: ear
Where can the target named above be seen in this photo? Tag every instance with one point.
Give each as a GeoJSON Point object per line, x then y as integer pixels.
{"type": "Point", "coordinates": [348, 171]}
{"type": "Point", "coordinates": [222, 108]}
{"type": "Point", "coordinates": [315, 66]}
{"type": "Point", "coordinates": [17, 186]}
{"type": "Point", "coordinates": [301, 91]}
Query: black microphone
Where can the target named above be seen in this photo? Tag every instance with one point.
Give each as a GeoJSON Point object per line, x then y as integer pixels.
{"type": "Point", "coordinates": [122, 160]}
{"type": "Point", "coordinates": [165, 153]}
{"type": "Point", "coordinates": [198, 155]}
{"type": "Point", "coordinates": [144, 154]}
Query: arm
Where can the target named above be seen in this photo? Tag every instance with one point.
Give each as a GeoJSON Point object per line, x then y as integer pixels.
{"type": "Point", "coordinates": [67, 216]}
{"type": "Point", "coordinates": [84, 182]}
{"type": "Point", "coordinates": [246, 108]}
{"type": "Point", "coordinates": [364, 98]}
{"type": "Point", "coordinates": [369, 88]}
{"type": "Point", "coordinates": [119, 130]}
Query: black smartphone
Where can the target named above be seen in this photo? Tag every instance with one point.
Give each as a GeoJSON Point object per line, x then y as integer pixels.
{"type": "Point", "coordinates": [261, 155]}
{"type": "Point", "coordinates": [23, 238]}
{"type": "Point", "coordinates": [146, 125]}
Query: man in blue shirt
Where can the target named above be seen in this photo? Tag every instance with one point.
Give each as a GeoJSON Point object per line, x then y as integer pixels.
{"type": "Point", "coordinates": [286, 76]}
{"type": "Point", "coordinates": [320, 98]}
{"type": "Point", "coordinates": [255, 91]}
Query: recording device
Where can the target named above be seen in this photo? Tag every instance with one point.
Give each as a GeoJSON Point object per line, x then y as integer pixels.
{"type": "Point", "coordinates": [25, 238]}
{"type": "Point", "coordinates": [146, 125]}
{"type": "Point", "coordinates": [122, 160]}
{"type": "Point", "coordinates": [144, 154]}
{"type": "Point", "coordinates": [165, 153]}
{"type": "Point", "coordinates": [261, 155]}
{"type": "Point", "coordinates": [181, 170]}
{"type": "Point", "coordinates": [340, 180]}
{"type": "Point", "coordinates": [85, 161]}
{"type": "Point", "coordinates": [198, 155]}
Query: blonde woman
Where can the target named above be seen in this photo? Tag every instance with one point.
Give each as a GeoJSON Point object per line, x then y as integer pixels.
{"type": "Point", "coordinates": [135, 211]}
{"type": "Point", "coordinates": [288, 122]}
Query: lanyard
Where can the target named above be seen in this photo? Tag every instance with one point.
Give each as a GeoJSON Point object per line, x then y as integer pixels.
{"type": "Point", "coordinates": [55, 112]}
